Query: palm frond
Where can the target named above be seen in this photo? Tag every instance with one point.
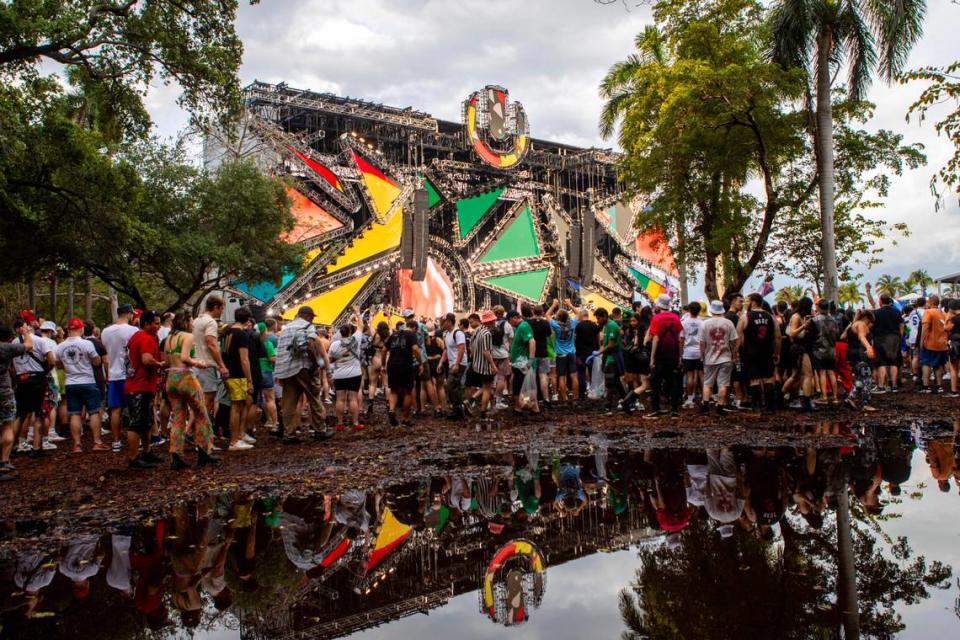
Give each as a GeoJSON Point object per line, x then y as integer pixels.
{"type": "Point", "coordinates": [613, 110]}
{"type": "Point", "coordinates": [856, 39]}
{"type": "Point", "coordinates": [898, 25]}
{"type": "Point", "coordinates": [793, 31]}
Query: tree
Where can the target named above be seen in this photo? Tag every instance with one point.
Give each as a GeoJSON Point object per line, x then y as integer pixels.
{"type": "Point", "coordinates": [700, 115]}
{"type": "Point", "coordinates": [919, 279]}
{"type": "Point", "coordinates": [866, 162]}
{"type": "Point", "coordinates": [944, 87]}
{"type": "Point", "coordinates": [891, 285]}
{"type": "Point", "coordinates": [849, 294]}
{"type": "Point", "coordinates": [817, 35]}
{"type": "Point", "coordinates": [789, 293]}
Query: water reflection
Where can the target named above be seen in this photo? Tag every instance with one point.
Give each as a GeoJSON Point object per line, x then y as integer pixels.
{"type": "Point", "coordinates": [733, 542]}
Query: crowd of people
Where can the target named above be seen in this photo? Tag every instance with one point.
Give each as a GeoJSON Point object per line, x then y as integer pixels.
{"type": "Point", "coordinates": [149, 377]}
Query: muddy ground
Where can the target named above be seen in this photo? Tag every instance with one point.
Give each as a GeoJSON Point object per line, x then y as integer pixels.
{"type": "Point", "coordinates": [70, 492]}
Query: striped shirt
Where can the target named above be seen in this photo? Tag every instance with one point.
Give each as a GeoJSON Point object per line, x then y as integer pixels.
{"type": "Point", "coordinates": [480, 344]}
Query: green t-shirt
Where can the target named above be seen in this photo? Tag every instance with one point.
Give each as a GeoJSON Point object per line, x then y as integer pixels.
{"type": "Point", "coordinates": [551, 347]}
{"type": "Point", "coordinates": [265, 365]}
{"type": "Point", "coordinates": [610, 332]}
{"type": "Point", "coordinates": [520, 347]}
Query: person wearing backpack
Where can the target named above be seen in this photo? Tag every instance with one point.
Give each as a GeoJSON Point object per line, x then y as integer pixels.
{"type": "Point", "coordinates": [455, 355]}
{"type": "Point", "coordinates": [300, 357]}
{"type": "Point", "coordinates": [502, 336]}
{"type": "Point", "coordinates": [824, 352]}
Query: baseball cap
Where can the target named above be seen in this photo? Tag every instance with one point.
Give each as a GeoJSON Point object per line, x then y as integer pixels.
{"type": "Point", "coordinates": [513, 313]}
{"type": "Point", "coordinates": [125, 308]}
{"type": "Point", "coordinates": [49, 325]}
{"type": "Point", "coordinates": [663, 301]}
{"type": "Point", "coordinates": [716, 308]}
{"type": "Point", "coordinates": [74, 324]}
{"type": "Point", "coordinates": [28, 315]}
{"type": "Point", "coordinates": [488, 316]}
{"type": "Point", "coordinates": [408, 313]}
{"type": "Point", "coordinates": [306, 310]}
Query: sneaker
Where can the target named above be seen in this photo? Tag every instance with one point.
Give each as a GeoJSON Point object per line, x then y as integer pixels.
{"type": "Point", "coordinates": [100, 447]}
{"type": "Point", "coordinates": [48, 446]}
{"type": "Point", "coordinates": [951, 394]}
{"type": "Point", "coordinates": [689, 404]}
{"type": "Point", "coordinates": [466, 409]}
{"type": "Point", "coordinates": [926, 390]}
{"type": "Point", "coordinates": [157, 441]}
{"type": "Point", "coordinates": [249, 439]}
{"type": "Point", "coordinates": [340, 427]}
{"type": "Point", "coordinates": [240, 445]}
{"type": "Point", "coordinates": [392, 417]}
{"type": "Point", "coordinates": [501, 405]}
{"type": "Point", "coordinates": [38, 453]}
{"type": "Point", "coordinates": [24, 447]}
{"type": "Point", "coordinates": [894, 389]}
{"type": "Point", "coordinates": [7, 472]}
{"type": "Point", "coordinates": [55, 437]}
{"type": "Point", "coordinates": [878, 391]}
{"type": "Point", "coordinates": [117, 446]}
{"type": "Point", "coordinates": [322, 436]}
{"type": "Point", "coordinates": [358, 427]}
{"type": "Point", "coordinates": [77, 449]}
{"type": "Point", "coordinates": [654, 415]}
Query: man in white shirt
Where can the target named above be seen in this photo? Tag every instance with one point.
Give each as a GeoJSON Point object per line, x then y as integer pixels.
{"type": "Point", "coordinates": [502, 337]}
{"type": "Point", "coordinates": [77, 357]}
{"type": "Point", "coordinates": [206, 343]}
{"type": "Point", "coordinates": [690, 345]}
{"type": "Point", "coordinates": [914, 320]}
{"type": "Point", "coordinates": [115, 339]}
{"type": "Point", "coordinates": [455, 355]}
{"type": "Point", "coordinates": [32, 369]}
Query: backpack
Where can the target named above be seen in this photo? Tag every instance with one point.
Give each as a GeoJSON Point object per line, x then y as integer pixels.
{"type": "Point", "coordinates": [828, 332]}
{"type": "Point", "coordinates": [300, 345]}
{"type": "Point", "coordinates": [498, 333]}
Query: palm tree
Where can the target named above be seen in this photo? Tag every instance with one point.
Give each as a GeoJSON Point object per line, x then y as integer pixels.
{"type": "Point", "coordinates": [919, 279]}
{"type": "Point", "coordinates": [789, 293]}
{"type": "Point", "coordinates": [849, 294]}
{"type": "Point", "coordinates": [817, 35]}
{"type": "Point", "coordinates": [891, 285]}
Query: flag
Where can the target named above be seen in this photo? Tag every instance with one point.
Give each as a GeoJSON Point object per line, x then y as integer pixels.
{"type": "Point", "coordinates": [767, 287]}
{"type": "Point", "coordinates": [573, 284]}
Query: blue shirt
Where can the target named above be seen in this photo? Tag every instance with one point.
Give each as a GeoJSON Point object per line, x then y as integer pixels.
{"type": "Point", "coordinates": [563, 337]}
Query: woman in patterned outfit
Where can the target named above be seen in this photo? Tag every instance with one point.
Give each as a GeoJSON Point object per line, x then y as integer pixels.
{"type": "Point", "coordinates": [859, 355]}
{"type": "Point", "coordinates": [184, 393]}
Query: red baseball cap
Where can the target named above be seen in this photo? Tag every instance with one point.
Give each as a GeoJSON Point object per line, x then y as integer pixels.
{"type": "Point", "coordinates": [28, 316]}
{"type": "Point", "coordinates": [74, 323]}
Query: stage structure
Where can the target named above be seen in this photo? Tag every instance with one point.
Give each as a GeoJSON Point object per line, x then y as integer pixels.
{"type": "Point", "coordinates": [400, 209]}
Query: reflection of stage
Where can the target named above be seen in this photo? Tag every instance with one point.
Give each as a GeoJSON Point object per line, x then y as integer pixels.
{"type": "Point", "coordinates": [403, 210]}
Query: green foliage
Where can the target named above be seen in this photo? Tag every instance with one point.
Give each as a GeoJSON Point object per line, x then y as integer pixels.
{"type": "Point", "coordinates": [849, 294]}
{"type": "Point", "coordinates": [789, 293]}
{"type": "Point", "coordinates": [919, 279]}
{"type": "Point", "coordinates": [944, 88]}
{"type": "Point", "coordinates": [891, 285]}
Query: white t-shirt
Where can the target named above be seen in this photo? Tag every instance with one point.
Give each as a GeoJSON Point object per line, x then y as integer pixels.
{"type": "Point", "coordinates": [913, 326]}
{"type": "Point", "coordinates": [691, 337]}
{"type": "Point", "coordinates": [115, 339]}
{"type": "Point", "coordinates": [41, 347]}
{"type": "Point", "coordinates": [76, 354]}
{"type": "Point", "coordinates": [452, 340]}
{"type": "Point", "coordinates": [163, 333]}
{"type": "Point", "coordinates": [345, 355]}
{"type": "Point", "coordinates": [205, 325]}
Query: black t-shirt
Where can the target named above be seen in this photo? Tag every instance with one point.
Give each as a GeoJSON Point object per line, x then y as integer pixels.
{"type": "Point", "coordinates": [400, 345]}
{"type": "Point", "coordinates": [585, 337]}
{"type": "Point", "coordinates": [887, 321]}
{"type": "Point", "coordinates": [234, 340]}
{"type": "Point", "coordinates": [541, 333]}
{"type": "Point", "coordinates": [256, 351]}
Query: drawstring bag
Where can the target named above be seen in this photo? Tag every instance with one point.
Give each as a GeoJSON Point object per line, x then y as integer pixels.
{"type": "Point", "coordinates": [597, 388]}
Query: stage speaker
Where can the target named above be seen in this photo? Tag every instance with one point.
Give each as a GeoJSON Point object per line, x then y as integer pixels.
{"type": "Point", "coordinates": [406, 239]}
{"type": "Point", "coordinates": [573, 250]}
{"type": "Point", "coordinates": [588, 237]}
{"type": "Point", "coordinates": [421, 234]}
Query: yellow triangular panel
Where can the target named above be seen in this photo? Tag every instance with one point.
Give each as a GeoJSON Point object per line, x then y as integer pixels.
{"type": "Point", "coordinates": [330, 304]}
{"type": "Point", "coordinates": [377, 239]}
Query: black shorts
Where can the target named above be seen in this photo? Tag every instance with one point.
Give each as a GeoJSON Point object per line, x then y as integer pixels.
{"type": "Point", "coordinates": [824, 364]}
{"type": "Point", "coordinates": [887, 349]}
{"type": "Point", "coordinates": [347, 384]}
{"type": "Point", "coordinates": [401, 379]}
{"type": "Point", "coordinates": [475, 380]}
{"type": "Point", "coordinates": [632, 363]}
{"type": "Point", "coordinates": [567, 365]}
{"type": "Point", "coordinates": [29, 394]}
{"type": "Point", "coordinates": [759, 367]}
{"type": "Point", "coordinates": [140, 412]}
{"type": "Point", "coordinates": [517, 381]}
{"type": "Point", "coordinates": [692, 364]}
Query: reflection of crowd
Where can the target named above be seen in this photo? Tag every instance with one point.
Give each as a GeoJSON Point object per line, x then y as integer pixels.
{"type": "Point", "coordinates": [214, 555]}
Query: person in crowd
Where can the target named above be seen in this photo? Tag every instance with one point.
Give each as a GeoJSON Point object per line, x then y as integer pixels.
{"type": "Point", "coordinates": [268, 360]}
{"type": "Point", "coordinates": [239, 382]}
{"type": "Point", "coordinates": [403, 365]}
{"type": "Point", "coordinates": [501, 337]}
{"type": "Point", "coordinates": [481, 372]}
{"type": "Point", "coordinates": [690, 348]}
{"type": "Point", "coordinates": [77, 357]}
{"type": "Point", "coordinates": [32, 370]}
{"type": "Point", "coordinates": [523, 353]}
{"type": "Point", "coordinates": [824, 357]}
{"type": "Point", "coordinates": [10, 349]}
{"type": "Point", "coordinates": [455, 359]}
{"type": "Point", "coordinates": [888, 331]}
{"type": "Point", "coordinates": [564, 327]}
{"type": "Point", "coordinates": [610, 347]}
{"type": "Point", "coordinates": [586, 337]}
{"type": "Point", "coordinates": [206, 342]}
{"type": "Point", "coordinates": [115, 339]}
{"type": "Point", "coordinates": [759, 335]}
{"type": "Point", "coordinates": [934, 345]}
{"type": "Point", "coordinates": [345, 363]}
{"type": "Point", "coordinates": [300, 358]}
{"type": "Point", "coordinates": [663, 336]}
{"type": "Point", "coordinates": [718, 348]}
{"type": "Point", "coordinates": [140, 387]}
{"type": "Point", "coordinates": [860, 354]}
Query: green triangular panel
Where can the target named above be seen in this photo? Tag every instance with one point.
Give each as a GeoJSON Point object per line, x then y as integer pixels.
{"type": "Point", "coordinates": [432, 196]}
{"type": "Point", "coordinates": [528, 284]}
{"type": "Point", "coordinates": [517, 241]}
{"type": "Point", "coordinates": [471, 210]}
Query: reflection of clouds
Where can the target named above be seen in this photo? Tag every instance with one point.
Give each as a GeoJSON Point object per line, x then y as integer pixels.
{"type": "Point", "coordinates": [581, 602]}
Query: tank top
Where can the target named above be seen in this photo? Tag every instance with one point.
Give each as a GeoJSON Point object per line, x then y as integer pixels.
{"type": "Point", "coordinates": [758, 333]}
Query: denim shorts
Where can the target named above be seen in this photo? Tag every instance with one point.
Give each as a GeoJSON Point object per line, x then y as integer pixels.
{"type": "Point", "coordinates": [83, 396]}
{"type": "Point", "coordinates": [116, 397]}
{"type": "Point", "coordinates": [267, 382]}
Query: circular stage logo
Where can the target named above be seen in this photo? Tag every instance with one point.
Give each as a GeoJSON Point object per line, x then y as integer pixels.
{"type": "Point", "coordinates": [498, 130]}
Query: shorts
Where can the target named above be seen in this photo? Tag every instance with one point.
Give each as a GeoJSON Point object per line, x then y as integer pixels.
{"type": "Point", "coordinates": [503, 367]}
{"type": "Point", "coordinates": [542, 365]}
{"type": "Point", "coordinates": [633, 364]}
{"type": "Point", "coordinates": [759, 367]}
{"type": "Point", "coordinates": [29, 394]}
{"type": "Point", "coordinates": [347, 384]}
{"type": "Point", "coordinates": [116, 396]}
{"type": "Point", "coordinates": [475, 380]}
{"type": "Point", "coordinates": [208, 379]}
{"type": "Point", "coordinates": [8, 409]}
{"type": "Point", "coordinates": [401, 380]}
{"type": "Point", "coordinates": [824, 364]}
{"type": "Point", "coordinates": [267, 383]}
{"type": "Point", "coordinates": [719, 374]}
{"type": "Point", "coordinates": [692, 364]}
{"type": "Point", "coordinates": [933, 359]}
{"type": "Point", "coordinates": [236, 389]}
{"type": "Point", "coordinates": [567, 365]}
{"type": "Point", "coordinates": [140, 412]}
{"type": "Point", "coordinates": [887, 350]}
{"type": "Point", "coordinates": [517, 381]}
{"type": "Point", "coordinates": [83, 396]}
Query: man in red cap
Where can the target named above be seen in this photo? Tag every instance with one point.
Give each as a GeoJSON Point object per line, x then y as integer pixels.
{"type": "Point", "coordinates": [77, 357]}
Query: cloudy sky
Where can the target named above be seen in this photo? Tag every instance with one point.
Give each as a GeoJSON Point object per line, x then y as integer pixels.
{"type": "Point", "coordinates": [551, 54]}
